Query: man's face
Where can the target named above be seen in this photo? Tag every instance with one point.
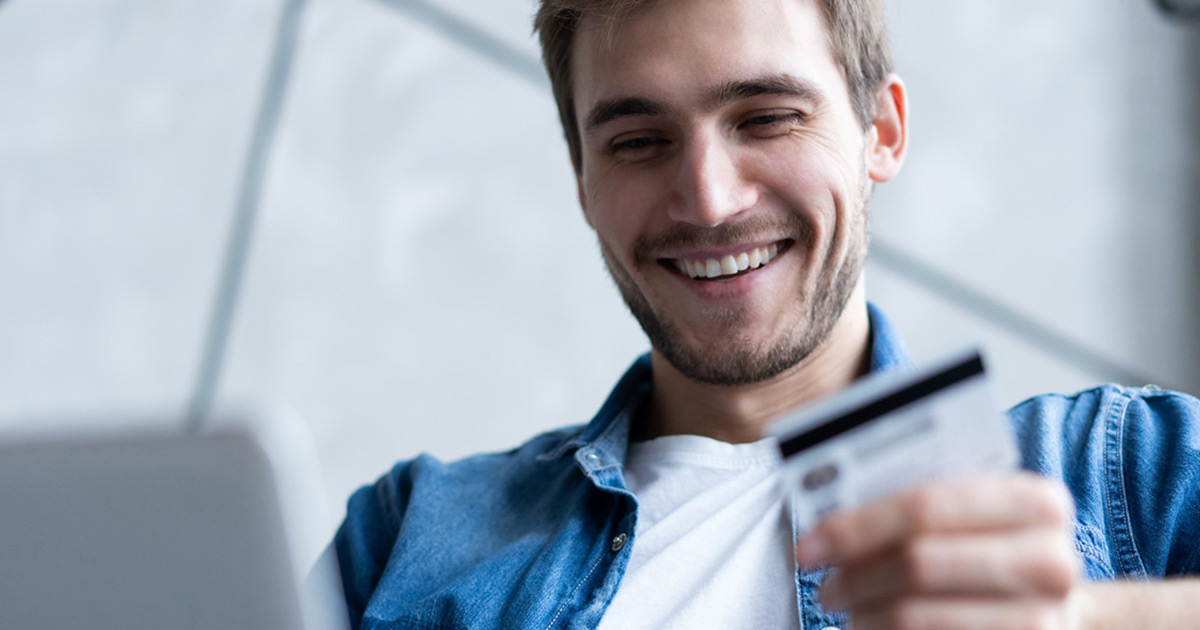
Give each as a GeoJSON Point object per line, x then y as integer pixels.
{"type": "Point", "coordinates": [724, 173]}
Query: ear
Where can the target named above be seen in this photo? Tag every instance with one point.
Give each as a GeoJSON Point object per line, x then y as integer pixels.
{"type": "Point", "coordinates": [887, 140]}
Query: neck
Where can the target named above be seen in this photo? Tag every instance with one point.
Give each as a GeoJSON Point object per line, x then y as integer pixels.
{"type": "Point", "coordinates": [741, 413]}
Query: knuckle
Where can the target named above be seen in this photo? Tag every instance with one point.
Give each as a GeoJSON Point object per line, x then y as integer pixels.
{"type": "Point", "coordinates": [906, 615]}
{"type": "Point", "coordinates": [1066, 503]}
{"type": "Point", "coordinates": [918, 564]}
{"type": "Point", "coordinates": [1050, 501]}
{"type": "Point", "coordinates": [923, 509]}
{"type": "Point", "coordinates": [1059, 571]}
{"type": "Point", "coordinates": [839, 533]}
{"type": "Point", "coordinates": [1048, 566]}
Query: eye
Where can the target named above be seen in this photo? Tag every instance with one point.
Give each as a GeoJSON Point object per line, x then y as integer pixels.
{"type": "Point", "coordinates": [637, 147]}
{"type": "Point", "coordinates": [772, 123]}
{"type": "Point", "coordinates": [635, 143]}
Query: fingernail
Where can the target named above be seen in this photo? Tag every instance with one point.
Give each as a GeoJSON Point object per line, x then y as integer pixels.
{"type": "Point", "coordinates": [812, 550]}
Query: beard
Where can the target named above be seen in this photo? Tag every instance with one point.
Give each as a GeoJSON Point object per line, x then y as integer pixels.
{"type": "Point", "coordinates": [737, 359]}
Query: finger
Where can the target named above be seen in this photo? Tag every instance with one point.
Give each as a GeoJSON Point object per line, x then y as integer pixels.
{"type": "Point", "coordinates": [1039, 563]}
{"type": "Point", "coordinates": [956, 614]}
{"type": "Point", "coordinates": [981, 504]}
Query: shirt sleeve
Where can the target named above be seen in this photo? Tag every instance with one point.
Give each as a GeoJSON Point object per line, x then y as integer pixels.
{"type": "Point", "coordinates": [365, 539]}
{"type": "Point", "coordinates": [1131, 458]}
{"type": "Point", "coordinates": [1159, 476]}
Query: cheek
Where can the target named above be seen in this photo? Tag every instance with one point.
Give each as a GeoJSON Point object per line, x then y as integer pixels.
{"type": "Point", "coordinates": [613, 228]}
{"type": "Point", "coordinates": [818, 162]}
{"type": "Point", "coordinates": [818, 187]}
{"type": "Point", "coordinates": [818, 180]}
{"type": "Point", "coordinates": [622, 212]}
{"type": "Point", "coordinates": [802, 188]}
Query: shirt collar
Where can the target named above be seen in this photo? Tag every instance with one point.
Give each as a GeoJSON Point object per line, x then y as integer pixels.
{"type": "Point", "coordinates": [887, 349]}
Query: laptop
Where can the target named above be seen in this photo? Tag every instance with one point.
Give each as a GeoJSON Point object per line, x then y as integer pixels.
{"type": "Point", "coordinates": [151, 530]}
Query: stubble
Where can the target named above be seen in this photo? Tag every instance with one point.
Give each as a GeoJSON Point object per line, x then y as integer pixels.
{"type": "Point", "coordinates": [735, 358]}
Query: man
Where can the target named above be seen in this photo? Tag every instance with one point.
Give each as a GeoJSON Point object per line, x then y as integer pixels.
{"type": "Point", "coordinates": [725, 152]}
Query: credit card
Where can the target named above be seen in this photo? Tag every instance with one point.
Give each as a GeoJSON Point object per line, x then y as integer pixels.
{"type": "Point", "coordinates": [892, 431]}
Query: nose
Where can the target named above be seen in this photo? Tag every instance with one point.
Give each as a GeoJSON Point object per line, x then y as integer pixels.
{"type": "Point", "coordinates": [712, 187]}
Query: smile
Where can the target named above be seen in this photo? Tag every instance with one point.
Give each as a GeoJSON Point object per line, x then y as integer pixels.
{"type": "Point", "coordinates": [729, 265]}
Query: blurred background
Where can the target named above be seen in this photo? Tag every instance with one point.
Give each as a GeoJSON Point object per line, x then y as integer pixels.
{"type": "Point", "coordinates": [360, 214]}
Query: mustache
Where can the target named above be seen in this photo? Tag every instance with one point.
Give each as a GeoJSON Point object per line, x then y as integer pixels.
{"type": "Point", "coordinates": [683, 237]}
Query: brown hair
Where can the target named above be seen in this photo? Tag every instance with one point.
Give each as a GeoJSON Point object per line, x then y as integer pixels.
{"type": "Point", "coordinates": [857, 36]}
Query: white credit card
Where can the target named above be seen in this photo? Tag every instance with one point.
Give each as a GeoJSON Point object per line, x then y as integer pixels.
{"type": "Point", "coordinates": [892, 431]}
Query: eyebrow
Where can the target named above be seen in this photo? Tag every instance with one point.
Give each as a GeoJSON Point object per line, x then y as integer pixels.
{"type": "Point", "coordinates": [776, 84]}
{"type": "Point", "coordinates": [612, 109]}
{"type": "Point", "coordinates": [609, 110]}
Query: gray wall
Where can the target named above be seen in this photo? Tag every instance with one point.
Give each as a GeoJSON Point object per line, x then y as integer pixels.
{"type": "Point", "coordinates": [421, 278]}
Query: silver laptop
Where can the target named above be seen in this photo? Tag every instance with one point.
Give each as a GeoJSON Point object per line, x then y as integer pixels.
{"type": "Point", "coordinates": [147, 531]}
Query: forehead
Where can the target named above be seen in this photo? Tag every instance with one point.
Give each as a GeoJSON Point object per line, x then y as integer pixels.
{"type": "Point", "coordinates": [680, 49]}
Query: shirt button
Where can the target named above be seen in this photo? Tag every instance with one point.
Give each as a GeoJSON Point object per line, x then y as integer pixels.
{"type": "Point", "coordinates": [592, 458]}
{"type": "Point", "coordinates": [619, 542]}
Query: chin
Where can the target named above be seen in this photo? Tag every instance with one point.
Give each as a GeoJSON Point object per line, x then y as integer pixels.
{"type": "Point", "coordinates": [731, 359]}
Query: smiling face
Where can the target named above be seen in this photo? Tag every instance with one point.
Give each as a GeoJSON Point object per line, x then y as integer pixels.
{"type": "Point", "coordinates": [726, 177]}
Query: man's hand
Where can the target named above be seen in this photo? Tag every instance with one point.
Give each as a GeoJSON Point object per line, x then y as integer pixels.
{"type": "Point", "coordinates": [991, 553]}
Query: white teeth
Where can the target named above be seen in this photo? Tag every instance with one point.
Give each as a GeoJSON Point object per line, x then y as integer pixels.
{"type": "Point", "coordinates": [728, 265]}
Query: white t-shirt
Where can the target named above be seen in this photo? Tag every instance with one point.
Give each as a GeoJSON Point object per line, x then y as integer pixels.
{"type": "Point", "coordinates": [713, 543]}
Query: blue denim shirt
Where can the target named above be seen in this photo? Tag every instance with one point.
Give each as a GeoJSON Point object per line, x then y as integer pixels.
{"type": "Point", "coordinates": [539, 537]}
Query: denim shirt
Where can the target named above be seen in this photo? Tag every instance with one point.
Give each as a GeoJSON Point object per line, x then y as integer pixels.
{"type": "Point", "coordinates": [540, 536]}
